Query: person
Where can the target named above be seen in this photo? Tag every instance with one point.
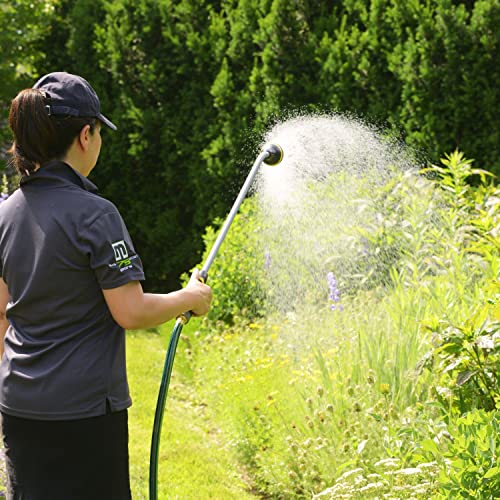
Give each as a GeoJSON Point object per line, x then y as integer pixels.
{"type": "Point", "coordinates": [70, 285]}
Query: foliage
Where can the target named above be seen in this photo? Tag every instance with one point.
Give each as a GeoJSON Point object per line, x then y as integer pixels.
{"type": "Point", "coordinates": [468, 456]}
{"type": "Point", "coordinates": [237, 272]}
{"type": "Point", "coordinates": [344, 403]}
{"type": "Point", "coordinates": [24, 23]}
{"type": "Point", "coordinates": [193, 86]}
{"type": "Point", "coordinates": [468, 359]}
{"type": "Point", "coordinates": [466, 354]}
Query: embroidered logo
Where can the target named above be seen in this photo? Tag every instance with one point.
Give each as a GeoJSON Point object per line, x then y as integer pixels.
{"type": "Point", "coordinates": [123, 261]}
{"type": "Point", "coordinates": [120, 250]}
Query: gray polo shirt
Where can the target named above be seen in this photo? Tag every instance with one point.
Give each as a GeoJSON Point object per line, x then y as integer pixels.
{"type": "Point", "coordinates": [60, 245]}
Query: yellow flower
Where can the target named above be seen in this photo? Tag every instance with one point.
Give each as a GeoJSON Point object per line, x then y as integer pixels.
{"type": "Point", "coordinates": [385, 388]}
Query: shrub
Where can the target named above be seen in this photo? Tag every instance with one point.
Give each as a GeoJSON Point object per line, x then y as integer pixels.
{"type": "Point", "coordinates": [466, 360]}
{"type": "Point", "coordinates": [236, 274]}
{"type": "Point", "coordinates": [468, 456]}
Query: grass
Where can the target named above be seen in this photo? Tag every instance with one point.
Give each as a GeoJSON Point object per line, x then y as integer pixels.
{"type": "Point", "coordinates": [195, 460]}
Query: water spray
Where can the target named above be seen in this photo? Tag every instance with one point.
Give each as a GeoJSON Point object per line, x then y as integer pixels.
{"type": "Point", "coordinates": [271, 154]}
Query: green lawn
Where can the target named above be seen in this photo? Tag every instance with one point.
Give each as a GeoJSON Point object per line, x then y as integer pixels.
{"type": "Point", "coordinates": [195, 461]}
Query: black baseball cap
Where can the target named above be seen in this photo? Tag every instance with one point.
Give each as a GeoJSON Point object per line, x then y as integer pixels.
{"type": "Point", "coordinates": [71, 95]}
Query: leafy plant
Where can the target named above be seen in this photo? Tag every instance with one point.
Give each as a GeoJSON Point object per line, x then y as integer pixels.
{"type": "Point", "coordinates": [466, 359]}
{"type": "Point", "coordinates": [468, 456]}
{"type": "Point", "coordinates": [236, 274]}
{"type": "Point", "coordinates": [335, 402]}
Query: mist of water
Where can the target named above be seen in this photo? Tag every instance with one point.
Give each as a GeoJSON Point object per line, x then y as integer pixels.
{"type": "Point", "coordinates": [314, 202]}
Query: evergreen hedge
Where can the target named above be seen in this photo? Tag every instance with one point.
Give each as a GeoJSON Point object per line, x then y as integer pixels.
{"type": "Point", "coordinates": [193, 84]}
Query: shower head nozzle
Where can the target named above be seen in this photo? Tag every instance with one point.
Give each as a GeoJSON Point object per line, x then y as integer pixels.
{"type": "Point", "coordinates": [275, 154]}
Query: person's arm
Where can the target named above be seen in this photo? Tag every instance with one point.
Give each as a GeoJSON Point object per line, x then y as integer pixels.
{"type": "Point", "coordinates": [4, 324]}
{"type": "Point", "coordinates": [133, 309]}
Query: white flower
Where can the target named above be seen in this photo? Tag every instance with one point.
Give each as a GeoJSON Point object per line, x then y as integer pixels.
{"type": "Point", "coordinates": [410, 471]}
{"type": "Point", "coordinates": [345, 475]}
{"type": "Point", "coordinates": [388, 462]}
{"type": "Point", "coordinates": [485, 342]}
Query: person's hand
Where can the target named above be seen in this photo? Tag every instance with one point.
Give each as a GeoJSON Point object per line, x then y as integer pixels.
{"type": "Point", "coordinates": [201, 294]}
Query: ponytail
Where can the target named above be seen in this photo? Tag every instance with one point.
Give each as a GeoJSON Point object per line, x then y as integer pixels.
{"type": "Point", "coordinates": [38, 136]}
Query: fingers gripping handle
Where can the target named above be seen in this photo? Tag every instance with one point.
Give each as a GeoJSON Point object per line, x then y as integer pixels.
{"type": "Point", "coordinates": [185, 317]}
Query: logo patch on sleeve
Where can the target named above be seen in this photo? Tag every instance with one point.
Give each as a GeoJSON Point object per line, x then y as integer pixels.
{"type": "Point", "coordinates": [120, 250]}
{"type": "Point", "coordinates": [122, 259]}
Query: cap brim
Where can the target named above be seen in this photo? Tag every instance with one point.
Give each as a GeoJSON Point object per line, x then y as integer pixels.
{"type": "Point", "coordinates": [107, 122]}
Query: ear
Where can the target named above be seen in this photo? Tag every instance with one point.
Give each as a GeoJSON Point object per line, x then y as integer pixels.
{"type": "Point", "coordinates": [84, 137]}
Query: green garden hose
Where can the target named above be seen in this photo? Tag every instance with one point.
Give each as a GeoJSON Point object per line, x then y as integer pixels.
{"type": "Point", "coordinates": [271, 155]}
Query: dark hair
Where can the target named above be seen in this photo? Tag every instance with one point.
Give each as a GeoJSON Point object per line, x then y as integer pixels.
{"type": "Point", "coordinates": [38, 136]}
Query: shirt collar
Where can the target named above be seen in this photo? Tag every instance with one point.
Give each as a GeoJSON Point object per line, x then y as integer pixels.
{"type": "Point", "coordinates": [58, 170]}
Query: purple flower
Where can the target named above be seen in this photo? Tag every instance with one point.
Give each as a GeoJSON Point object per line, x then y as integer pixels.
{"type": "Point", "coordinates": [267, 259]}
{"type": "Point", "coordinates": [3, 196]}
{"type": "Point", "coordinates": [366, 247]}
{"type": "Point", "coordinates": [334, 292]}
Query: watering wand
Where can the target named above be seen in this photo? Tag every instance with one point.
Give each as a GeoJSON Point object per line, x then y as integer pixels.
{"type": "Point", "coordinates": [271, 154]}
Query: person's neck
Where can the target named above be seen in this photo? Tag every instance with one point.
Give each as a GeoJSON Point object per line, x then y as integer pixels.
{"type": "Point", "coordinates": [74, 161]}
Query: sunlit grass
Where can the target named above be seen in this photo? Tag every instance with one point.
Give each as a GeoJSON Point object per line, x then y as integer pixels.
{"type": "Point", "coordinates": [195, 460]}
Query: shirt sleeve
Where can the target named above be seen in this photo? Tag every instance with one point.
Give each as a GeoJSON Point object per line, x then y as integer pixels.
{"type": "Point", "coordinates": [111, 252]}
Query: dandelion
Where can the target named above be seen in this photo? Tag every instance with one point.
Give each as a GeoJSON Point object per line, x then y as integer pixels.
{"type": "Point", "coordinates": [334, 292]}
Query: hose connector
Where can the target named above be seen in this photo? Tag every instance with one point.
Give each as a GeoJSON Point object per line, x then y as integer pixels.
{"type": "Point", "coordinates": [275, 154]}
